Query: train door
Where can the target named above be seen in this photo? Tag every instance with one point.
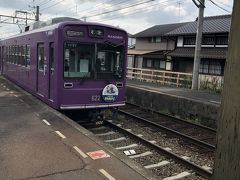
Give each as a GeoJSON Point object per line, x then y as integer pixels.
{"type": "Point", "coordinates": [42, 71]}
{"type": "Point", "coordinates": [52, 71]}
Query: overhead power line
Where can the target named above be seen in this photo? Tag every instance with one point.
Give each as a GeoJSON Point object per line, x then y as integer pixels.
{"type": "Point", "coordinates": [118, 3]}
{"type": "Point", "coordinates": [139, 10]}
{"type": "Point", "coordinates": [219, 6]}
{"type": "Point", "coordinates": [44, 2]}
{"type": "Point", "coordinates": [97, 5]}
{"type": "Point", "coordinates": [52, 5]}
{"type": "Point", "coordinates": [118, 9]}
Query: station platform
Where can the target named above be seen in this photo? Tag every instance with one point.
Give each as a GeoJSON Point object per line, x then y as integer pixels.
{"type": "Point", "coordinates": [194, 95]}
{"type": "Point", "coordinates": [202, 107]}
{"type": "Point", "coordinates": [38, 142]}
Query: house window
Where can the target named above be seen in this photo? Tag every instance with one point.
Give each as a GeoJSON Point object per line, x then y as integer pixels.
{"type": "Point", "coordinates": [212, 67]}
{"type": "Point", "coordinates": [158, 39]}
{"type": "Point", "coordinates": [149, 63]}
{"type": "Point", "coordinates": [154, 39]}
{"type": "Point", "coordinates": [156, 63]}
{"type": "Point", "coordinates": [191, 40]}
{"type": "Point", "coordinates": [208, 40]}
{"type": "Point", "coordinates": [162, 65]}
{"type": "Point", "coordinates": [222, 40]}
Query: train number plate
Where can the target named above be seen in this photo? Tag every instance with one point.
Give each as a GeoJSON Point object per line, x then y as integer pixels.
{"type": "Point", "coordinates": [96, 98]}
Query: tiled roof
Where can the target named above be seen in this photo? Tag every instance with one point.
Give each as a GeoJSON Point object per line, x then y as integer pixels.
{"type": "Point", "coordinates": [213, 53]}
{"type": "Point", "coordinates": [213, 24]}
{"type": "Point", "coordinates": [158, 30]}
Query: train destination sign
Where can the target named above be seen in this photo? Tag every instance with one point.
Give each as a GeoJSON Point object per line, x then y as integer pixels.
{"type": "Point", "coordinates": [75, 33]}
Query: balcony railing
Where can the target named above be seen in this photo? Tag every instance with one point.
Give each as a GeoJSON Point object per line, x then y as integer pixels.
{"type": "Point", "coordinates": [163, 77]}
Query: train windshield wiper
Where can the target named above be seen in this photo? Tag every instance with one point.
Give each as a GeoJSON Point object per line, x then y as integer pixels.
{"type": "Point", "coordinates": [113, 44]}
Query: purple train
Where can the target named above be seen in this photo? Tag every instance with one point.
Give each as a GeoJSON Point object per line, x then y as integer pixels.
{"type": "Point", "coordinates": [68, 64]}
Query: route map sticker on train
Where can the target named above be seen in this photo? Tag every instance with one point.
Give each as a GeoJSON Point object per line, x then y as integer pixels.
{"type": "Point", "coordinates": [110, 93]}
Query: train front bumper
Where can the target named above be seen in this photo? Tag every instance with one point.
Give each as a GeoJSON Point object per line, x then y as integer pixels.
{"type": "Point", "coordinates": [91, 106]}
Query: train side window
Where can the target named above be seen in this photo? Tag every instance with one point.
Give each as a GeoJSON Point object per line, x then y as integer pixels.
{"type": "Point", "coordinates": [40, 56]}
{"type": "Point", "coordinates": [51, 57]}
{"type": "Point", "coordinates": [1, 54]}
{"type": "Point", "coordinates": [18, 55]}
{"type": "Point", "coordinates": [8, 53]}
{"type": "Point", "coordinates": [11, 54]}
{"type": "Point", "coordinates": [27, 56]}
{"type": "Point", "coordinates": [14, 55]}
{"type": "Point", "coordinates": [22, 55]}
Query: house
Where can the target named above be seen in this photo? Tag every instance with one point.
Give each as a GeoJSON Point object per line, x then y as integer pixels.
{"type": "Point", "coordinates": [151, 47]}
{"type": "Point", "coordinates": [214, 45]}
{"type": "Point", "coordinates": [178, 53]}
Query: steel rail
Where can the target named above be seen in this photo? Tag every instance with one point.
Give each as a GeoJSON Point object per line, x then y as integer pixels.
{"type": "Point", "coordinates": [175, 118]}
{"type": "Point", "coordinates": [198, 169]}
{"type": "Point", "coordinates": [193, 140]}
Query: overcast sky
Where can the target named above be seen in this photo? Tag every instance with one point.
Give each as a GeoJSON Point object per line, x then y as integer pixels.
{"type": "Point", "coordinates": [131, 15]}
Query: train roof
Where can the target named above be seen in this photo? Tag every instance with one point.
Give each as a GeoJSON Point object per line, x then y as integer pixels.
{"type": "Point", "coordinates": [57, 23]}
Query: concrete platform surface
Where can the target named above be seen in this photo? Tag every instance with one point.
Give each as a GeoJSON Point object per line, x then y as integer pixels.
{"type": "Point", "coordinates": [40, 143]}
{"type": "Point", "coordinates": [201, 107]}
{"type": "Point", "coordinates": [200, 95]}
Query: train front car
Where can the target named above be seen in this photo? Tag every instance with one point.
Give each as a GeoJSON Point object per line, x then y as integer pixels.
{"type": "Point", "coordinates": [93, 67]}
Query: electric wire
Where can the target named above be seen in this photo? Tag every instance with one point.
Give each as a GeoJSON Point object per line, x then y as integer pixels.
{"type": "Point", "coordinates": [226, 5]}
{"type": "Point", "coordinates": [118, 3]}
{"type": "Point", "coordinates": [43, 9]}
{"type": "Point", "coordinates": [118, 9]}
{"type": "Point", "coordinates": [219, 6]}
{"type": "Point", "coordinates": [43, 3]}
{"type": "Point", "coordinates": [139, 10]}
{"type": "Point", "coordinates": [97, 5]}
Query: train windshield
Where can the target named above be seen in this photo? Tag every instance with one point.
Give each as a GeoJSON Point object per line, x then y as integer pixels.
{"type": "Point", "coordinates": [78, 59]}
{"type": "Point", "coordinates": [109, 61]}
{"type": "Point", "coordinates": [96, 61]}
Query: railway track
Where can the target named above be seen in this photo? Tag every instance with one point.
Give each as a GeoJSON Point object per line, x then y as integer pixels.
{"type": "Point", "coordinates": [163, 154]}
{"type": "Point", "coordinates": [199, 135]}
{"type": "Point", "coordinates": [161, 161]}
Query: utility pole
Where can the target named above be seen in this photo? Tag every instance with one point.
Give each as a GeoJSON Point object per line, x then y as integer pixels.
{"type": "Point", "coordinates": [227, 155]}
{"type": "Point", "coordinates": [197, 58]}
{"type": "Point", "coordinates": [37, 13]}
